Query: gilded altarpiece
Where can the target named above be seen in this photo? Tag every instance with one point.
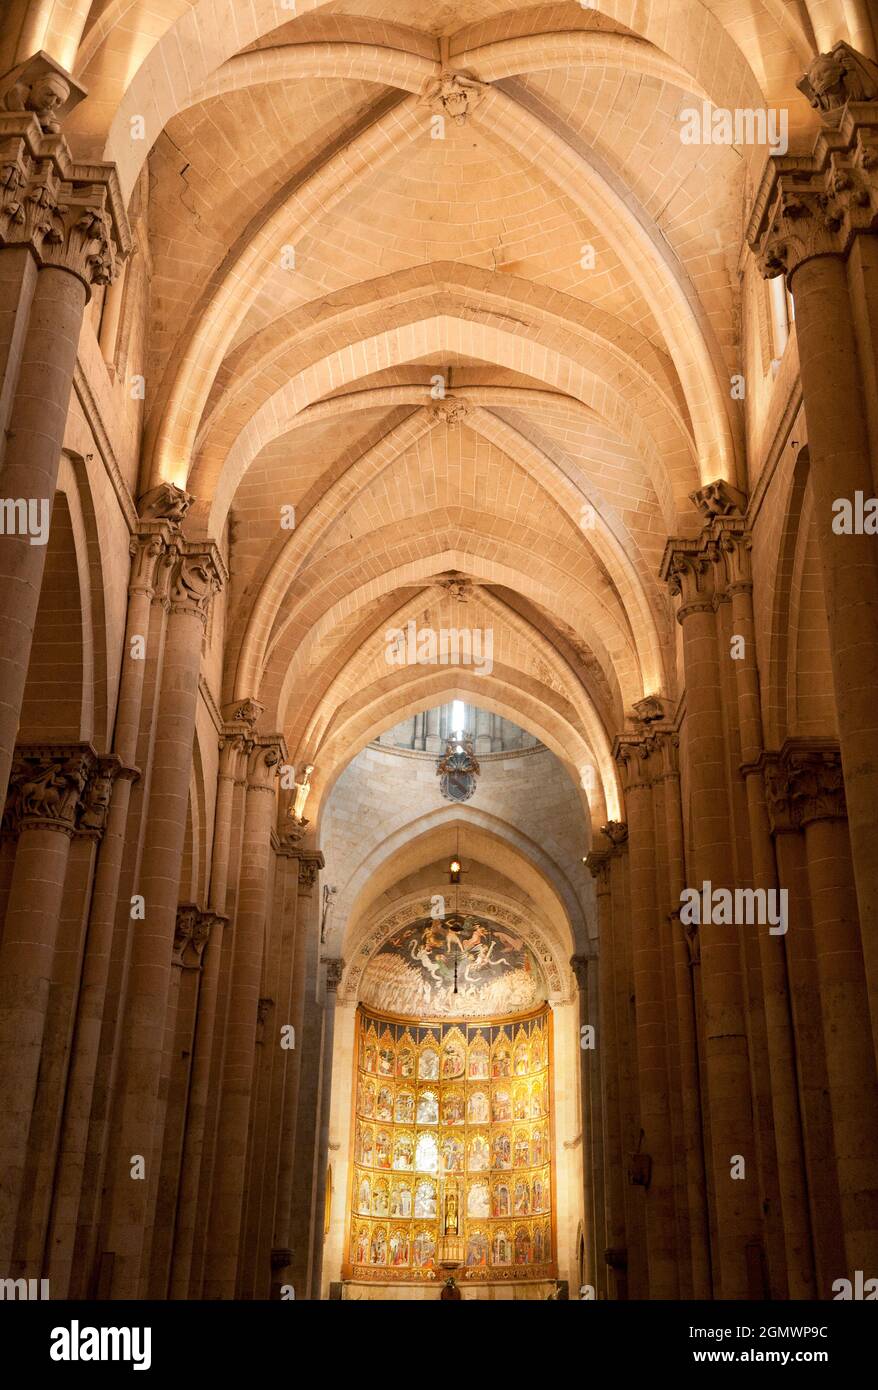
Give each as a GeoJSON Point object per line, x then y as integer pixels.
{"type": "Point", "coordinates": [452, 1153]}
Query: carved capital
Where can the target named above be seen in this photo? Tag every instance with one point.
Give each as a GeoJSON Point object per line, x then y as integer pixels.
{"type": "Point", "coordinates": [150, 549]}
{"type": "Point", "coordinates": [63, 787]}
{"type": "Point", "coordinates": [664, 746]}
{"type": "Point", "coordinates": [814, 205]}
{"type": "Point", "coordinates": [98, 793]}
{"type": "Point", "coordinates": [735, 547]}
{"type": "Point", "coordinates": [197, 572]}
{"type": "Point", "coordinates": [632, 752]}
{"type": "Point", "coordinates": [264, 763]}
{"type": "Point", "coordinates": [688, 570]}
{"type": "Point", "coordinates": [579, 965]}
{"type": "Point", "coordinates": [334, 971]}
{"type": "Point", "coordinates": [453, 94]}
{"type": "Point", "coordinates": [803, 783]}
{"type": "Point", "coordinates": [235, 749]}
{"type": "Point", "coordinates": [597, 861]}
{"type": "Point", "coordinates": [310, 864]}
{"type": "Point", "coordinates": [185, 934]}
{"type": "Point", "coordinates": [69, 215]}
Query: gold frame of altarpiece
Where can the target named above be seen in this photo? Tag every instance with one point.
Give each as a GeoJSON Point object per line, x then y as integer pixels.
{"type": "Point", "coordinates": [518, 1228]}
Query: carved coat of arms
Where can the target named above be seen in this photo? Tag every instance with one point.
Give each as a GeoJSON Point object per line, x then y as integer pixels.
{"type": "Point", "coordinates": [458, 769]}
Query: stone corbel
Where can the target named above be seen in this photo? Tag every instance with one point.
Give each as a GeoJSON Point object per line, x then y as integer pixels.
{"type": "Point", "coordinates": [41, 87]}
{"type": "Point", "coordinates": [161, 514]}
{"type": "Point", "coordinates": [616, 831]}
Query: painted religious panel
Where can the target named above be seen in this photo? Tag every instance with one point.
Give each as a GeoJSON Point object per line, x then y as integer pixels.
{"type": "Point", "coordinates": [451, 1124]}
{"type": "Point", "coordinates": [479, 969]}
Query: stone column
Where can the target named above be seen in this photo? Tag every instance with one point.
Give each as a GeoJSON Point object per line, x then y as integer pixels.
{"type": "Point", "coordinates": [680, 988]}
{"type": "Point", "coordinates": [334, 972]}
{"type": "Point", "coordinates": [70, 220]}
{"type": "Point", "coordinates": [224, 1240]}
{"type": "Point", "coordinates": [655, 1167]}
{"type": "Point", "coordinates": [689, 569]}
{"type": "Point", "coordinates": [281, 1246]}
{"type": "Point", "coordinates": [612, 1233]}
{"type": "Point", "coordinates": [629, 1263]}
{"type": "Point", "coordinates": [806, 1007]}
{"type": "Point", "coordinates": [196, 574]}
{"type": "Point", "coordinates": [310, 1041]}
{"type": "Point", "coordinates": [234, 748]}
{"type": "Point", "coordinates": [808, 214]}
{"type": "Point", "coordinates": [584, 968]}
{"type": "Point", "coordinates": [229, 839]}
{"type": "Point", "coordinates": [807, 790]}
{"type": "Point", "coordinates": [787, 1123]}
{"type": "Point", "coordinates": [192, 946]}
{"type": "Point", "coordinates": [277, 1052]}
{"type": "Point", "coordinates": [48, 795]}
{"type": "Point", "coordinates": [432, 742]}
{"type": "Point", "coordinates": [161, 513]}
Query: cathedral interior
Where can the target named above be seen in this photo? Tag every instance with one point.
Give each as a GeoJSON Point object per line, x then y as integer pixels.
{"type": "Point", "coordinates": [439, 649]}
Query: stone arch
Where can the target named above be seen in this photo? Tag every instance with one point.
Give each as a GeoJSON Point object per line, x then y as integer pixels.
{"type": "Point", "coordinates": [491, 835]}
{"type": "Point", "coordinates": [380, 710]}
{"type": "Point", "coordinates": [395, 345]}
